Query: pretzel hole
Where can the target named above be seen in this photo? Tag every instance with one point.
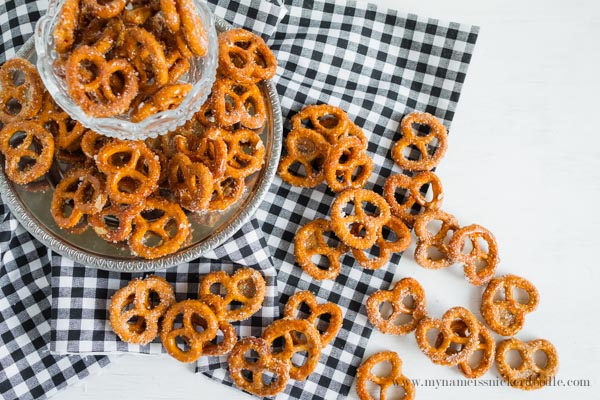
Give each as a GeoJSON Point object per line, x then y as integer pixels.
{"type": "Point", "coordinates": [117, 83]}
{"type": "Point", "coordinates": [259, 59]}
{"type": "Point", "coordinates": [306, 123]}
{"type": "Point", "coordinates": [153, 299]}
{"type": "Point", "coordinates": [412, 152]}
{"type": "Point", "coordinates": [374, 252]}
{"type": "Point", "coordinates": [358, 173]}
{"type": "Point", "coordinates": [119, 159]}
{"type": "Point", "coordinates": [278, 345]}
{"type": "Point", "coordinates": [480, 264]}
{"type": "Point", "coordinates": [87, 72]}
{"type": "Point", "coordinates": [401, 195]}
{"type": "Point", "coordinates": [251, 356]}
{"type": "Point", "coordinates": [199, 323]}
{"type": "Point", "coordinates": [426, 193]}
{"type": "Point", "coordinates": [52, 127]}
{"type": "Point", "coordinates": [373, 389]}
{"type": "Point", "coordinates": [298, 169]}
{"type": "Point", "coordinates": [234, 305]}
{"type": "Point", "coordinates": [183, 343]}
{"type": "Point", "coordinates": [129, 185]}
{"type": "Point", "coordinates": [499, 295]}
{"type": "Point", "coordinates": [219, 338]}
{"type": "Point", "coordinates": [540, 358]}
{"type": "Point", "coordinates": [218, 288]}
{"type": "Point", "coordinates": [322, 322]}
{"type": "Point", "coordinates": [17, 77]}
{"type": "Point", "coordinates": [152, 214]}
{"type": "Point", "coordinates": [435, 254]}
{"type": "Point", "coordinates": [432, 146]}
{"type": "Point", "coordinates": [329, 121]}
{"type": "Point", "coordinates": [129, 304]}
{"type": "Point", "coordinates": [246, 288]}
{"type": "Point", "coordinates": [389, 234]}
{"type": "Point", "coordinates": [299, 358]}
{"type": "Point", "coordinates": [382, 369]}
{"type": "Point", "coordinates": [268, 377]}
{"type": "Point", "coordinates": [434, 226]}
{"type": "Point", "coordinates": [13, 106]}
{"type": "Point", "coordinates": [513, 358]}
{"type": "Point", "coordinates": [247, 375]}
{"type": "Point", "coordinates": [26, 163]}
{"type": "Point", "coordinates": [395, 392]}
{"type": "Point", "coordinates": [420, 130]}
{"type": "Point", "coordinates": [321, 261]}
{"type": "Point", "coordinates": [251, 106]}
{"type": "Point", "coordinates": [434, 337]}
{"type": "Point", "coordinates": [520, 295]}
{"type": "Point", "coordinates": [137, 324]}
{"type": "Point", "coordinates": [475, 358]}
{"type": "Point", "coordinates": [237, 58]}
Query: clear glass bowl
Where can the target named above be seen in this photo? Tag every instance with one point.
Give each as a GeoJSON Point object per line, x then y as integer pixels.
{"type": "Point", "coordinates": [202, 74]}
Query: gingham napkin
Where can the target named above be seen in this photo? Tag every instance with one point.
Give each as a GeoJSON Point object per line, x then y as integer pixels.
{"type": "Point", "coordinates": [377, 65]}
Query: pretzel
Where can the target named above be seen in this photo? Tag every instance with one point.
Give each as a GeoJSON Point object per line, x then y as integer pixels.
{"type": "Point", "coordinates": [309, 149]}
{"type": "Point", "coordinates": [218, 306]}
{"type": "Point", "coordinates": [347, 165]}
{"type": "Point", "coordinates": [266, 362]}
{"type": "Point", "coordinates": [330, 121]}
{"type": "Point", "coordinates": [507, 316]}
{"type": "Point", "coordinates": [316, 311]}
{"type": "Point", "coordinates": [442, 353]}
{"type": "Point", "coordinates": [421, 143]}
{"type": "Point", "coordinates": [67, 132]}
{"type": "Point", "coordinates": [245, 153]}
{"type": "Point", "coordinates": [167, 98]}
{"type": "Point", "coordinates": [528, 375]}
{"type": "Point", "coordinates": [170, 14]}
{"type": "Point", "coordinates": [365, 374]}
{"type": "Point", "coordinates": [64, 32]}
{"type": "Point", "coordinates": [96, 96]}
{"type": "Point", "coordinates": [211, 150]}
{"type": "Point", "coordinates": [386, 248]}
{"type": "Point", "coordinates": [29, 158]}
{"type": "Point", "coordinates": [407, 287]}
{"type": "Point", "coordinates": [226, 191]}
{"type": "Point", "coordinates": [413, 196]}
{"type": "Point", "coordinates": [128, 161]}
{"type": "Point", "coordinates": [63, 209]}
{"type": "Point", "coordinates": [139, 325]}
{"type": "Point", "coordinates": [19, 100]}
{"type": "Point", "coordinates": [148, 57]}
{"type": "Point", "coordinates": [426, 239]}
{"type": "Point", "coordinates": [190, 182]}
{"type": "Point", "coordinates": [90, 197]}
{"type": "Point", "coordinates": [195, 313]}
{"type": "Point", "coordinates": [105, 9]}
{"type": "Point", "coordinates": [232, 102]}
{"type": "Point", "coordinates": [103, 222]}
{"type": "Point", "coordinates": [341, 222]}
{"type": "Point", "coordinates": [246, 286]}
{"type": "Point", "coordinates": [245, 57]}
{"type": "Point", "coordinates": [289, 330]}
{"type": "Point", "coordinates": [479, 265]}
{"type": "Point", "coordinates": [486, 345]}
{"type": "Point", "coordinates": [172, 228]}
{"type": "Point", "coordinates": [92, 142]}
{"type": "Point", "coordinates": [309, 241]}
{"type": "Point", "coordinates": [191, 25]}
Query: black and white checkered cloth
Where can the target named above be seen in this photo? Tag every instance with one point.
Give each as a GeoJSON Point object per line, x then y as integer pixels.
{"type": "Point", "coordinates": [377, 65]}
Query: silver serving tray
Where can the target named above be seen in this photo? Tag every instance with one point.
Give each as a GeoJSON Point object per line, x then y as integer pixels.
{"type": "Point", "coordinates": [31, 204]}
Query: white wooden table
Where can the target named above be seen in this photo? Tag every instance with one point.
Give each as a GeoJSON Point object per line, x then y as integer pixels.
{"type": "Point", "coordinates": [524, 161]}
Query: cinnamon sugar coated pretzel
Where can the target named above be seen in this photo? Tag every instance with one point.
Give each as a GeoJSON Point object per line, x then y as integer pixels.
{"type": "Point", "coordinates": [405, 288]}
{"type": "Point", "coordinates": [341, 222]}
{"type": "Point", "coordinates": [442, 352]}
{"type": "Point", "coordinates": [395, 377]}
{"type": "Point", "coordinates": [528, 375]}
{"type": "Point", "coordinates": [139, 325]}
{"type": "Point", "coordinates": [386, 247]}
{"type": "Point", "coordinates": [427, 240]}
{"type": "Point", "coordinates": [266, 362]}
{"type": "Point", "coordinates": [479, 264]}
{"type": "Point", "coordinates": [290, 330]}
{"type": "Point", "coordinates": [413, 196]}
{"type": "Point", "coordinates": [245, 57]}
{"type": "Point", "coordinates": [246, 286]}
{"type": "Point", "coordinates": [437, 133]}
{"type": "Point", "coordinates": [316, 311]}
{"type": "Point", "coordinates": [309, 241]}
{"type": "Point", "coordinates": [195, 313]}
{"type": "Point", "coordinates": [506, 316]}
